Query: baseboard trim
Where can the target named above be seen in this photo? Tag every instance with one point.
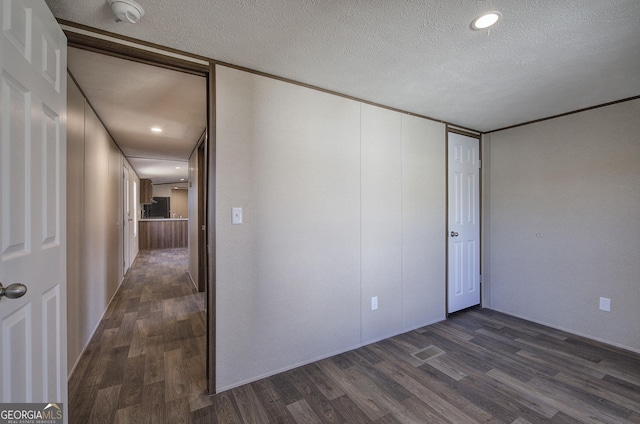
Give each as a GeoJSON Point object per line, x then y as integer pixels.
{"type": "Point", "coordinates": [192, 280]}
{"type": "Point", "coordinates": [93, 332]}
{"type": "Point", "coordinates": [318, 358]}
{"type": "Point", "coordinates": [568, 330]}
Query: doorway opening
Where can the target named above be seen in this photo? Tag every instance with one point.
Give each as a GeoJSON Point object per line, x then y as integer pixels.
{"type": "Point", "coordinates": [189, 173]}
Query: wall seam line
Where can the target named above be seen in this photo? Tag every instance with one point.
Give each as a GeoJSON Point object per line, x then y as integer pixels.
{"type": "Point", "coordinates": [361, 167]}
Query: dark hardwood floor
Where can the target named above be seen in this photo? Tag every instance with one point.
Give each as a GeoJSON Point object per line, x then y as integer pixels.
{"type": "Point", "coordinates": [146, 365]}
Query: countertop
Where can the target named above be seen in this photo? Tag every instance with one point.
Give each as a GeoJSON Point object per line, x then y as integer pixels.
{"type": "Point", "coordinates": [163, 219]}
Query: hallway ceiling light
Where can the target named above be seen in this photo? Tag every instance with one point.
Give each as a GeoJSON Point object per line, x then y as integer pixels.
{"type": "Point", "coordinates": [485, 20]}
{"type": "Point", "coordinates": [126, 10]}
{"type": "Point", "coordinates": [156, 129]}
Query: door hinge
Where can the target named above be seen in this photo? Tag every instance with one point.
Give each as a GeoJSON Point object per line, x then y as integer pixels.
{"type": "Point", "coordinates": [480, 278]}
{"type": "Point", "coordinates": [479, 163]}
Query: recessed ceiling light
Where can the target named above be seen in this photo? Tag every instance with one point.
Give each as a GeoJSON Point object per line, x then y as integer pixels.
{"type": "Point", "coordinates": [156, 129]}
{"type": "Point", "coordinates": [177, 167]}
{"type": "Point", "coordinates": [485, 20]}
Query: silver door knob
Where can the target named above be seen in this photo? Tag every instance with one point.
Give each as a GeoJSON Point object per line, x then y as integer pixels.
{"type": "Point", "coordinates": [12, 291]}
{"type": "Point", "coordinates": [454, 234]}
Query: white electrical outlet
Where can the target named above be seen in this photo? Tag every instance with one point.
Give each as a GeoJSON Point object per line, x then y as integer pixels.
{"type": "Point", "coordinates": [374, 303]}
{"type": "Point", "coordinates": [605, 304]}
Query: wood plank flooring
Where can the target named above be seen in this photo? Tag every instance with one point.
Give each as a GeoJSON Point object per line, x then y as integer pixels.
{"type": "Point", "coordinates": [146, 365]}
{"type": "Point", "coordinates": [146, 361]}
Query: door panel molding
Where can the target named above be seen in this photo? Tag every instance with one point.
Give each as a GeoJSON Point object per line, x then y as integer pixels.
{"type": "Point", "coordinates": [33, 209]}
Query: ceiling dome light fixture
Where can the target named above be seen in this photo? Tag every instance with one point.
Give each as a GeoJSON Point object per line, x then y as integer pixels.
{"type": "Point", "coordinates": [126, 10]}
{"type": "Point", "coordinates": [485, 20]}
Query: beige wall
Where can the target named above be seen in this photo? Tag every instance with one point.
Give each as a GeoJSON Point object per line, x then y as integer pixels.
{"type": "Point", "coordinates": [95, 220]}
{"type": "Point", "coordinates": [76, 328]}
{"type": "Point", "coordinates": [561, 222]}
{"type": "Point", "coordinates": [113, 207]}
{"type": "Point", "coordinates": [179, 203]}
{"type": "Point", "coordinates": [423, 221]}
{"type": "Point", "coordinates": [162, 190]}
{"type": "Point", "coordinates": [342, 201]}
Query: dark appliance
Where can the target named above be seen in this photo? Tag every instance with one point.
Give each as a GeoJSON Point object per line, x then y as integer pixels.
{"type": "Point", "coordinates": [159, 208]}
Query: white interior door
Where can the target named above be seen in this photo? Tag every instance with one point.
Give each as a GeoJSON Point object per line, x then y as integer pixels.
{"type": "Point", "coordinates": [126, 219]}
{"type": "Point", "coordinates": [33, 93]}
{"type": "Point", "coordinates": [463, 282]}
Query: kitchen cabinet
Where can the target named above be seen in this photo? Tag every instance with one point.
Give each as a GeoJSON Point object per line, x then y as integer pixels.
{"type": "Point", "coordinates": [146, 191]}
{"type": "Point", "coordinates": [163, 233]}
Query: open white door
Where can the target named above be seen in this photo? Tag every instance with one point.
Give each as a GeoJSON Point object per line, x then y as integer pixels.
{"type": "Point", "coordinates": [463, 280]}
{"type": "Point", "coordinates": [126, 219]}
{"type": "Point", "coordinates": [33, 91]}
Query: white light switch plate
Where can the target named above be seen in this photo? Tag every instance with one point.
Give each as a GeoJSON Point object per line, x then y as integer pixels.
{"type": "Point", "coordinates": [236, 216]}
{"type": "Point", "coordinates": [605, 304]}
{"type": "Point", "coordinates": [374, 303]}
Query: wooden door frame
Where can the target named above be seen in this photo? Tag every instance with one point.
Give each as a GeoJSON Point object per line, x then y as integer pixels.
{"type": "Point", "coordinates": [478, 136]}
{"type": "Point", "coordinates": [103, 42]}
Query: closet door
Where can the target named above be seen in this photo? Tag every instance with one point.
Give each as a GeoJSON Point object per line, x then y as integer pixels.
{"type": "Point", "coordinates": [463, 280]}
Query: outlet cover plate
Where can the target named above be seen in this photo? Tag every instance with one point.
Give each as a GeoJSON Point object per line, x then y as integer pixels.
{"type": "Point", "coordinates": [605, 304]}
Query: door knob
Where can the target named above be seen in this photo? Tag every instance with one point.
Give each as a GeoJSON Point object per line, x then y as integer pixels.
{"type": "Point", "coordinates": [454, 234]}
{"type": "Point", "coordinates": [12, 291]}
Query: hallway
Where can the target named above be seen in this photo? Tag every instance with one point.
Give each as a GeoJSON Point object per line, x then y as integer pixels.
{"type": "Point", "coordinates": [146, 361]}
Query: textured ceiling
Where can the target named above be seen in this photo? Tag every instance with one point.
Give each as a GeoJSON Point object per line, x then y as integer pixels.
{"type": "Point", "coordinates": [545, 57]}
{"type": "Point", "coordinates": [130, 98]}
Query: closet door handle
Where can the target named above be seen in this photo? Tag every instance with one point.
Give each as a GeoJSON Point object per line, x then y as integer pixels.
{"type": "Point", "coordinates": [12, 291]}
